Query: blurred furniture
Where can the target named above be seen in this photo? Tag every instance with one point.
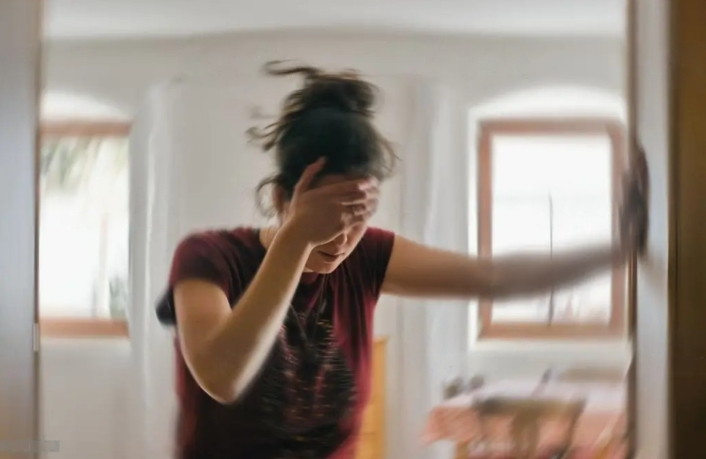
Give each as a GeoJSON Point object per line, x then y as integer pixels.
{"type": "Point", "coordinates": [475, 383]}
{"type": "Point", "coordinates": [371, 443]}
{"type": "Point", "coordinates": [454, 388]}
{"type": "Point", "coordinates": [518, 419]}
{"type": "Point", "coordinates": [587, 374]}
{"type": "Point", "coordinates": [608, 448]}
{"type": "Point", "coordinates": [525, 416]}
{"type": "Point", "coordinates": [459, 385]}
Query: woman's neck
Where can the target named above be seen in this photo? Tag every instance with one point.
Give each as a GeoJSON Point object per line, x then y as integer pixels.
{"type": "Point", "coordinates": [266, 234]}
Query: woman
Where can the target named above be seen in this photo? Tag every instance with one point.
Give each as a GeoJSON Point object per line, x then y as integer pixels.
{"type": "Point", "coordinates": [275, 325]}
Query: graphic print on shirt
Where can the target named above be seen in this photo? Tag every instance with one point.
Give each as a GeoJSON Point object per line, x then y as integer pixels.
{"type": "Point", "coordinates": [308, 388]}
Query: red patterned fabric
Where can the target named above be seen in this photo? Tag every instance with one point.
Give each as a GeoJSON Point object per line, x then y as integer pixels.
{"type": "Point", "coordinates": [307, 402]}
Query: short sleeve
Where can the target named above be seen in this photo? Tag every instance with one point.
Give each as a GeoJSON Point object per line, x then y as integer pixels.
{"type": "Point", "coordinates": [199, 256]}
{"type": "Point", "coordinates": [376, 249]}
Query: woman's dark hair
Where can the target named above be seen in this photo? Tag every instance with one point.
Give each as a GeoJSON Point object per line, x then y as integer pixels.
{"type": "Point", "coordinates": [329, 116]}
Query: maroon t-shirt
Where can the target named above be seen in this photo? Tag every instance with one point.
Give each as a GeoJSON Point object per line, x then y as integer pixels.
{"type": "Point", "coordinates": [307, 401]}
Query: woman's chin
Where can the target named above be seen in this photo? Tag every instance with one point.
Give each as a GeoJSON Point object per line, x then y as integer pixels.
{"type": "Point", "coordinates": [323, 266]}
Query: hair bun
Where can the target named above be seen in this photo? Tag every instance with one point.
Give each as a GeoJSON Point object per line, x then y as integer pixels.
{"type": "Point", "coordinates": [344, 91]}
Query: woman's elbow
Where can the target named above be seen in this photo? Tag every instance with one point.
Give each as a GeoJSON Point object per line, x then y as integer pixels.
{"type": "Point", "coordinates": [211, 378]}
{"type": "Point", "coordinates": [223, 397]}
{"type": "Point", "coordinates": [219, 389]}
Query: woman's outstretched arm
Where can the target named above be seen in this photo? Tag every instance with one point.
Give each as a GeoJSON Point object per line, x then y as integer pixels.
{"type": "Point", "coordinates": [418, 270]}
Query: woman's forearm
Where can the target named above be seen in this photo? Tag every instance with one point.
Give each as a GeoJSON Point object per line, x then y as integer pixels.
{"type": "Point", "coordinates": [528, 274]}
{"type": "Point", "coordinates": [237, 351]}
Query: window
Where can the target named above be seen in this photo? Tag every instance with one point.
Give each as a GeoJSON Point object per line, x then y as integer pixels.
{"type": "Point", "coordinates": [546, 185]}
{"type": "Point", "coordinates": [83, 229]}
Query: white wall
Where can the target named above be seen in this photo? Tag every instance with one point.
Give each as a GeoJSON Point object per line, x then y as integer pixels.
{"type": "Point", "coordinates": [119, 72]}
{"type": "Point", "coordinates": [84, 396]}
{"type": "Point", "coordinates": [479, 69]}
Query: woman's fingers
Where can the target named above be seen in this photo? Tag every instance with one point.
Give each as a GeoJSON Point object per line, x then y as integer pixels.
{"type": "Point", "coordinates": [354, 200]}
{"type": "Point", "coordinates": [634, 213]}
{"type": "Point", "coordinates": [359, 213]}
{"type": "Point", "coordinates": [350, 191]}
{"type": "Point", "coordinates": [362, 217]}
{"type": "Point", "coordinates": [369, 205]}
{"type": "Point", "coordinates": [309, 175]}
{"type": "Point", "coordinates": [641, 171]}
{"type": "Point", "coordinates": [360, 196]}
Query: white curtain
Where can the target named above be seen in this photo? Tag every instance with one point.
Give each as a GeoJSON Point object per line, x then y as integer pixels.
{"type": "Point", "coordinates": [152, 359]}
{"type": "Point", "coordinates": [191, 169]}
{"type": "Point", "coordinates": [435, 211]}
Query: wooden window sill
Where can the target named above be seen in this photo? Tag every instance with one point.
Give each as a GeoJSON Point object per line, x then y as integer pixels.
{"type": "Point", "coordinates": [557, 332]}
{"type": "Point", "coordinates": [82, 128]}
{"type": "Point", "coordinates": [83, 328]}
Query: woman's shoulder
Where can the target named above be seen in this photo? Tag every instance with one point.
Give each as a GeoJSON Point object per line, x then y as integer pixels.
{"type": "Point", "coordinates": [221, 234]}
{"type": "Point", "coordinates": [225, 257]}
{"type": "Point", "coordinates": [376, 240]}
{"type": "Point", "coordinates": [229, 241]}
{"type": "Point", "coordinates": [231, 253]}
{"type": "Point", "coordinates": [371, 257]}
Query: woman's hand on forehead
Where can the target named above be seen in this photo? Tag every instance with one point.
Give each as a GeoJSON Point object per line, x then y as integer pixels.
{"type": "Point", "coordinates": [324, 212]}
{"type": "Point", "coordinates": [333, 179]}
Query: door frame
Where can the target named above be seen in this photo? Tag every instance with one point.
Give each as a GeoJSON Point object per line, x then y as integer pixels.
{"type": "Point", "coordinates": [667, 72]}
{"type": "Point", "coordinates": [20, 54]}
{"type": "Point", "coordinates": [687, 144]}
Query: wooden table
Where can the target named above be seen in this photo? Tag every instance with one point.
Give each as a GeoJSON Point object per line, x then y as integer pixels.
{"type": "Point", "coordinates": [602, 421]}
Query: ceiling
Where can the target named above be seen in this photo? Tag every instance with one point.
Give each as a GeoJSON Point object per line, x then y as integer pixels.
{"type": "Point", "coordinates": [179, 18]}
